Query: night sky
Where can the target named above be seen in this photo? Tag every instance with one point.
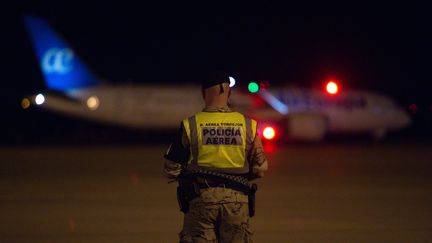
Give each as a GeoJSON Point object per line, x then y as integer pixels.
{"type": "Point", "coordinates": [379, 47]}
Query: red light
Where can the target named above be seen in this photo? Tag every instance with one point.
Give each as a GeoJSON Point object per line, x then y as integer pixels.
{"type": "Point", "coordinates": [257, 102]}
{"type": "Point", "coordinates": [269, 133]}
{"type": "Point", "coordinates": [413, 108]}
{"type": "Point", "coordinates": [264, 84]}
{"type": "Point", "coordinates": [332, 88]}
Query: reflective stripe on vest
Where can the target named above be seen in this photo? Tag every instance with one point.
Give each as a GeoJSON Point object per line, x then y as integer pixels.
{"type": "Point", "coordinates": [220, 141]}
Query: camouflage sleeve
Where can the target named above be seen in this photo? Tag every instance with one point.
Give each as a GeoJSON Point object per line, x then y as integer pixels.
{"type": "Point", "coordinates": [177, 154]}
{"type": "Point", "coordinates": [257, 159]}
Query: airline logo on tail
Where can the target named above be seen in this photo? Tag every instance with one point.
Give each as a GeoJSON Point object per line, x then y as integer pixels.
{"type": "Point", "coordinates": [62, 69]}
{"type": "Point", "coordinates": [57, 60]}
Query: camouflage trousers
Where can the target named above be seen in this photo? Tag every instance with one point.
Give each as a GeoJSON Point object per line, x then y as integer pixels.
{"type": "Point", "coordinates": [217, 215]}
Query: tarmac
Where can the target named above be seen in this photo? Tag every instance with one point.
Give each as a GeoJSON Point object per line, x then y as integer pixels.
{"type": "Point", "coordinates": [311, 193]}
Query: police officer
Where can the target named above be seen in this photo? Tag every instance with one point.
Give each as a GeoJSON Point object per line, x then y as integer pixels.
{"type": "Point", "coordinates": [214, 156]}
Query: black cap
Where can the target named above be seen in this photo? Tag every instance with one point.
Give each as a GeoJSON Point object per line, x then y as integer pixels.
{"type": "Point", "coordinates": [215, 79]}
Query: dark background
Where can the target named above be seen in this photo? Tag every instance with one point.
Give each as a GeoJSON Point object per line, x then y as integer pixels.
{"type": "Point", "coordinates": [382, 47]}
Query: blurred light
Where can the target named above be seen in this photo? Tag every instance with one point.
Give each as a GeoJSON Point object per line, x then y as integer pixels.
{"type": "Point", "coordinates": [93, 102]}
{"type": "Point", "coordinates": [264, 84]}
{"type": "Point", "coordinates": [274, 102]}
{"type": "Point", "coordinates": [269, 133]}
{"type": "Point", "coordinates": [71, 224]}
{"type": "Point", "coordinates": [257, 101]}
{"type": "Point", "coordinates": [40, 99]}
{"type": "Point", "coordinates": [332, 88]}
{"type": "Point", "coordinates": [232, 82]}
{"type": "Point", "coordinates": [134, 179]}
{"type": "Point", "coordinates": [270, 148]}
{"type": "Point", "coordinates": [413, 109]}
{"type": "Point", "coordinates": [25, 103]}
{"type": "Point", "coordinates": [253, 87]}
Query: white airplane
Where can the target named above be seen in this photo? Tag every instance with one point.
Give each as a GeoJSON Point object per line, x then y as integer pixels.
{"type": "Point", "coordinates": [311, 114]}
{"type": "Point", "coordinates": [298, 114]}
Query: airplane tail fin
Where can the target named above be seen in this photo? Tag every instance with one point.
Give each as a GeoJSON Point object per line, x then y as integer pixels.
{"type": "Point", "coordinates": [62, 70]}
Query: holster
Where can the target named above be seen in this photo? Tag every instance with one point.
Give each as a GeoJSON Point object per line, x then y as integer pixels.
{"type": "Point", "coordinates": [187, 190]}
{"type": "Point", "coordinates": [251, 199]}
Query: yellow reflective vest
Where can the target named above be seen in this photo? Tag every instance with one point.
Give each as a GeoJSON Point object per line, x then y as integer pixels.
{"type": "Point", "coordinates": [220, 141]}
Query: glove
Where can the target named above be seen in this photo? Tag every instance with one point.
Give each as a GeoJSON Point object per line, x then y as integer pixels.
{"type": "Point", "coordinates": [172, 170]}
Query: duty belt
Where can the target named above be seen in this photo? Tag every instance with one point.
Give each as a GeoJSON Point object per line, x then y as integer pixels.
{"type": "Point", "coordinates": [231, 181]}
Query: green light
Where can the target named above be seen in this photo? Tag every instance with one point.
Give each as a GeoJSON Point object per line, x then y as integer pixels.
{"type": "Point", "coordinates": [253, 87]}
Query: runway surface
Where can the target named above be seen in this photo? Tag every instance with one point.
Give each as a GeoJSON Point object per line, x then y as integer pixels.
{"type": "Point", "coordinates": [311, 193]}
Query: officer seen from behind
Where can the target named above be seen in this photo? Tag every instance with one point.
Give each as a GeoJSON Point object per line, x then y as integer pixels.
{"type": "Point", "coordinates": [214, 157]}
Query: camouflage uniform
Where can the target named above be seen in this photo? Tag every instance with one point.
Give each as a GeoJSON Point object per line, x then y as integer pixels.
{"type": "Point", "coordinates": [219, 214]}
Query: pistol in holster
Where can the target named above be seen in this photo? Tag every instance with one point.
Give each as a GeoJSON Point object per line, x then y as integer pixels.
{"type": "Point", "coordinates": [187, 190]}
{"type": "Point", "coordinates": [251, 199]}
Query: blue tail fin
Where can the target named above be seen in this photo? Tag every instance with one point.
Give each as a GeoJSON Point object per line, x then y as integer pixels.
{"type": "Point", "coordinates": [62, 69]}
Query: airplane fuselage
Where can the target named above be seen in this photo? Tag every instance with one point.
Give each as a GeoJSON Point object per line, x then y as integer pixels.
{"type": "Point", "coordinates": [165, 106]}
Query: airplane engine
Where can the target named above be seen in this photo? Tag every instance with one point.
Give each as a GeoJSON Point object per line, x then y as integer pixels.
{"type": "Point", "coordinates": [306, 127]}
